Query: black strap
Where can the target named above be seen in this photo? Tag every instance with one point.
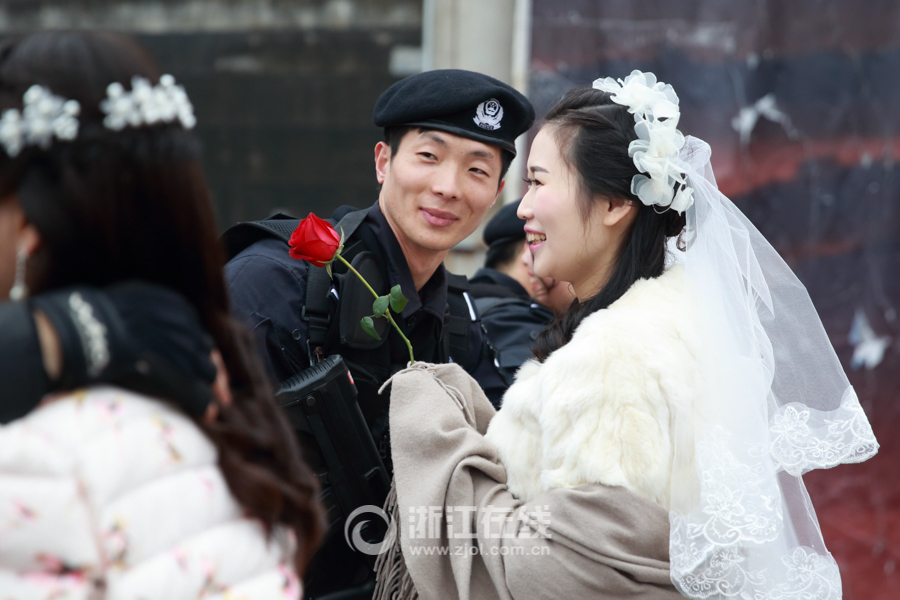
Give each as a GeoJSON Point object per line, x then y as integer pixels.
{"type": "Point", "coordinates": [457, 283]}
{"type": "Point", "coordinates": [318, 310]}
{"type": "Point", "coordinates": [460, 315]}
{"type": "Point", "coordinates": [242, 235]}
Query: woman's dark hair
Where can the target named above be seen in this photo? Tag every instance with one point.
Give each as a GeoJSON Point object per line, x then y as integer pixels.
{"type": "Point", "coordinates": [113, 206]}
{"type": "Point", "coordinates": [593, 133]}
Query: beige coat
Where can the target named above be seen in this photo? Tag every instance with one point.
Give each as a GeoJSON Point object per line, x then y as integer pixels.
{"type": "Point", "coordinates": [589, 541]}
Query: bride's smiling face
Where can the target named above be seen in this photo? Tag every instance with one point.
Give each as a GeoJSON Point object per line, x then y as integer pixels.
{"type": "Point", "coordinates": [572, 239]}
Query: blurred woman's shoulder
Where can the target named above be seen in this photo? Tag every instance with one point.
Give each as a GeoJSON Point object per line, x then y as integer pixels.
{"type": "Point", "coordinates": [116, 487]}
{"type": "Point", "coordinates": [94, 415]}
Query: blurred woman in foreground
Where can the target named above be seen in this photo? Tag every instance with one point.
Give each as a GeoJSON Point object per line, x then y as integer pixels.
{"type": "Point", "coordinates": [105, 492]}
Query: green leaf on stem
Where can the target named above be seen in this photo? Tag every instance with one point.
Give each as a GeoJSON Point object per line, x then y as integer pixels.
{"type": "Point", "coordinates": [368, 326]}
{"type": "Point", "coordinates": [398, 300]}
{"type": "Point", "coordinates": [328, 270]}
{"type": "Point", "coordinates": [380, 306]}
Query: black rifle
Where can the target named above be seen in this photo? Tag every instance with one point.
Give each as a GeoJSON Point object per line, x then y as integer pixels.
{"type": "Point", "coordinates": [320, 403]}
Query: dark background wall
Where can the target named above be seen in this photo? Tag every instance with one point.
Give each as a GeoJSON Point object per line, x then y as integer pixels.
{"type": "Point", "coordinates": [283, 89]}
{"type": "Point", "coordinates": [816, 172]}
{"type": "Point", "coordinates": [285, 117]}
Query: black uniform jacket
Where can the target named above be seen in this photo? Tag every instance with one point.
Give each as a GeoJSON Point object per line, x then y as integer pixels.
{"type": "Point", "coordinates": [511, 318]}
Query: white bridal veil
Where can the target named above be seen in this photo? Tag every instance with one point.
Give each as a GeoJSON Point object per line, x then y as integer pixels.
{"type": "Point", "coordinates": [773, 403]}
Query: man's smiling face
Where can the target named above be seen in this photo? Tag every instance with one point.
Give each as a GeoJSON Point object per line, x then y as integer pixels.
{"type": "Point", "coordinates": [437, 187]}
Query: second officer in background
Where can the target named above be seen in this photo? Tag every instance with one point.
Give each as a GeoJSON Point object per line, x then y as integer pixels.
{"type": "Point", "coordinates": [512, 318]}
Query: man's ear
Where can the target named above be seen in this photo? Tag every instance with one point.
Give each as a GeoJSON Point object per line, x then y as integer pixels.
{"type": "Point", "coordinates": [382, 161]}
{"type": "Point", "coordinates": [29, 239]}
{"type": "Point", "coordinates": [499, 191]}
{"type": "Point", "coordinates": [618, 211]}
{"type": "Point", "coordinates": [27, 236]}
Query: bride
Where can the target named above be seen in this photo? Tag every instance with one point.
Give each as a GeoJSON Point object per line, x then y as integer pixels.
{"type": "Point", "coordinates": [654, 445]}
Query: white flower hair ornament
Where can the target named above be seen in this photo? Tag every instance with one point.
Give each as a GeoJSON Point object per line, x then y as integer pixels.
{"type": "Point", "coordinates": [655, 152]}
{"type": "Point", "coordinates": [43, 117]}
{"type": "Point", "coordinates": [147, 104]}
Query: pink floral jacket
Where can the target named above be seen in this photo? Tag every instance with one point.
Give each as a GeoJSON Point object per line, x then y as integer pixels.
{"type": "Point", "coordinates": [105, 494]}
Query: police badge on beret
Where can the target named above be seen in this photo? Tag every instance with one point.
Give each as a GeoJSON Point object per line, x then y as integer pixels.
{"type": "Point", "coordinates": [488, 115]}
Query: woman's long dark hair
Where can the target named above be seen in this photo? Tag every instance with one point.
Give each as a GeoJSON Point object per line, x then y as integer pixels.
{"type": "Point", "coordinates": [112, 206]}
{"type": "Point", "coordinates": [593, 133]}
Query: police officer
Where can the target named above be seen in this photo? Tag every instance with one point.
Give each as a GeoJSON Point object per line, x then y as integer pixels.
{"type": "Point", "coordinates": [449, 137]}
{"type": "Point", "coordinates": [512, 319]}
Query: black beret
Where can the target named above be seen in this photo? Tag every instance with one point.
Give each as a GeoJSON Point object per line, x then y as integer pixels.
{"type": "Point", "coordinates": [505, 226]}
{"type": "Point", "coordinates": [463, 103]}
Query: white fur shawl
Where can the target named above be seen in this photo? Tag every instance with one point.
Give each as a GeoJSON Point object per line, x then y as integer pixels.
{"type": "Point", "coordinates": [599, 409]}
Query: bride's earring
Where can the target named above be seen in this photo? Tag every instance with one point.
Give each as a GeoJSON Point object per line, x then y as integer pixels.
{"type": "Point", "coordinates": [19, 290]}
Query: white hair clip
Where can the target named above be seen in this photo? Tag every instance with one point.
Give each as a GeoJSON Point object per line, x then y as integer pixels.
{"type": "Point", "coordinates": [655, 152]}
{"type": "Point", "coordinates": [43, 117]}
{"type": "Point", "coordinates": [146, 104]}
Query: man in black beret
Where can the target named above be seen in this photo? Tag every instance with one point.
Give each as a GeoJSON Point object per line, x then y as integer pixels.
{"type": "Point", "coordinates": [512, 318]}
{"type": "Point", "coordinates": [456, 131]}
{"type": "Point", "coordinates": [449, 137]}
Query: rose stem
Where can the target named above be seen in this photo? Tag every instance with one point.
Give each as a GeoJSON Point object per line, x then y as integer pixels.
{"type": "Point", "coordinates": [387, 313]}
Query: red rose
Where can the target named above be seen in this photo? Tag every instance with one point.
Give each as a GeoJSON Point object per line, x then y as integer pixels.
{"type": "Point", "coordinates": [314, 240]}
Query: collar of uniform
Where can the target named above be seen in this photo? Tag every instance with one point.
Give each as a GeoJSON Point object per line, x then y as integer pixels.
{"type": "Point", "coordinates": [486, 275]}
{"type": "Point", "coordinates": [433, 297]}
